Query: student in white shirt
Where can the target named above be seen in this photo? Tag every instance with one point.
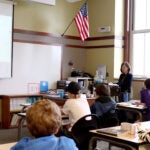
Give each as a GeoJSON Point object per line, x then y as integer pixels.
{"type": "Point", "coordinates": [77, 105]}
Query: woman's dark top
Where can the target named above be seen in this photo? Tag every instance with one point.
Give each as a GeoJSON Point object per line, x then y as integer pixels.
{"type": "Point", "coordinates": [125, 81]}
{"type": "Point", "coordinates": [102, 105]}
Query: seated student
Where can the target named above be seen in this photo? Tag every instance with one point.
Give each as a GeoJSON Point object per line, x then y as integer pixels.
{"type": "Point", "coordinates": [77, 105]}
{"type": "Point", "coordinates": [104, 106]}
{"type": "Point", "coordinates": [145, 97]}
{"type": "Point", "coordinates": [43, 121]}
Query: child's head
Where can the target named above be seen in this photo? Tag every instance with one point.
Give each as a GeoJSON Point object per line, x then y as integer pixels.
{"type": "Point", "coordinates": [43, 118]}
{"type": "Point", "coordinates": [74, 88]}
{"type": "Point", "coordinates": [147, 83]}
{"type": "Point", "coordinates": [102, 89]}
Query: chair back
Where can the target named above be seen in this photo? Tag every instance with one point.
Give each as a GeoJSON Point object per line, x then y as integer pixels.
{"type": "Point", "coordinates": [109, 119]}
{"type": "Point", "coordinates": [80, 130]}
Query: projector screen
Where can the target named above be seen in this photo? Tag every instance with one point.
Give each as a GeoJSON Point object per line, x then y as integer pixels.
{"type": "Point", "coordinates": [6, 25]}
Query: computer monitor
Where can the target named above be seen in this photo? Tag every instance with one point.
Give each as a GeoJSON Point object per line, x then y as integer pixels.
{"type": "Point", "coordinates": [102, 71]}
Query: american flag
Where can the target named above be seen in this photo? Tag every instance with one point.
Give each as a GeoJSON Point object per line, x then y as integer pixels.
{"type": "Point", "coordinates": [82, 22]}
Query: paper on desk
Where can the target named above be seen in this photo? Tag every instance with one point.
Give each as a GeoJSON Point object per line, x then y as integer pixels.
{"type": "Point", "coordinates": [124, 104]}
{"type": "Point", "coordinates": [102, 145]}
{"type": "Point", "coordinates": [116, 148]}
{"type": "Point", "coordinates": [112, 84]}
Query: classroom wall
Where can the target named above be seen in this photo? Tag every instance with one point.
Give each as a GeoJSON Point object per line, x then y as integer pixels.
{"type": "Point", "coordinates": [110, 51]}
{"type": "Point", "coordinates": [75, 56]}
{"type": "Point", "coordinates": [103, 48]}
{"type": "Point", "coordinates": [106, 13]}
{"type": "Point", "coordinates": [45, 18]}
{"type": "Point", "coordinates": [32, 63]}
{"type": "Point", "coordinates": [98, 18]}
{"type": "Point", "coordinates": [32, 16]}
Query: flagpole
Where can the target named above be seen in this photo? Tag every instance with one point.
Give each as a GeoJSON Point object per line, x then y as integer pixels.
{"type": "Point", "coordinates": [72, 21]}
{"type": "Point", "coordinates": [68, 27]}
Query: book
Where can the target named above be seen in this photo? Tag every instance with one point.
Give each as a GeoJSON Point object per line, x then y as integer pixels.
{"type": "Point", "coordinates": [111, 131]}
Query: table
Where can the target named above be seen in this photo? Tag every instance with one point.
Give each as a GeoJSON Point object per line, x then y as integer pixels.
{"type": "Point", "coordinates": [130, 106]}
{"type": "Point", "coordinates": [123, 139]}
{"type": "Point", "coordinates": [65, 122]}
{"type": "Point", "coordinates": [7, 146]}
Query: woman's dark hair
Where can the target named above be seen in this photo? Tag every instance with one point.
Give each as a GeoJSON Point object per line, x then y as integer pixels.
{"type": "Point", "coordinates": [147, 83]}
{"type": "Point", "coordinates": [73, 88]}
{"type": "Point", "coordinates": [102, 89]}
{"type": "Point", "coordinates": [127, 65]}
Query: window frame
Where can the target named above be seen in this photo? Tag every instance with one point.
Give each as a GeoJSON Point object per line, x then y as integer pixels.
{"type": "Point", "coordinates": [128, 32]}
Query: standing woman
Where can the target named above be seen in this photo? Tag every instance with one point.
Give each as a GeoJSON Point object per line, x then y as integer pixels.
{"type": "Point", "coordinates": [125, 81]}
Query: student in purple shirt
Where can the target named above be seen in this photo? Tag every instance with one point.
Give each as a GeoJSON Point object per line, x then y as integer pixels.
{"type": "Point", "coordinates": [43, 121]}
{"type": "Point", "coordinates": [145, 96]}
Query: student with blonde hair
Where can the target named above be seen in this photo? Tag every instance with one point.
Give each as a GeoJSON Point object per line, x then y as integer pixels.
{"type": "Point", "coordinates": [43, 121]}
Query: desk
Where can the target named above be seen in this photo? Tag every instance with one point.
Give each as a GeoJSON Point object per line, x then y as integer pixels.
{"type": "Point", "coordinates": [65, 121]}
{"type": "Point", "coordinates": [130, 106]}
{"type": "Point", "coordinates": [126, 140]}
{"type": "Point", "coordinates": [7, 146]}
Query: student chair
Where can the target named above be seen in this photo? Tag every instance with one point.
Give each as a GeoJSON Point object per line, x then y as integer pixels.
{"type": "Point", "coordinates": [109, 119]}
{"type": "Point", "coordinates": [97, 142]}
{"type": "Point", "coordinates": [80, 130]}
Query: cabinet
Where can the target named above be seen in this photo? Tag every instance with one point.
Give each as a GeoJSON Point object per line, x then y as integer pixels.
{"type": "Point", "coordinates": [11, 106]}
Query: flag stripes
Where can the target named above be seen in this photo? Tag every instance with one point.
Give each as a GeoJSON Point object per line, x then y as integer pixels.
{"type": "Point", "coordinates": [82, 22]}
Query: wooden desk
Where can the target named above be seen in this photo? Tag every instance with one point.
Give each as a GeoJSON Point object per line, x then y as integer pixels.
{"type": "Point", "coordinates": [128, 106]}
{"type": "Point", "coordinates": [11, 106]}
{"type": "Point", "coordinates": [7, 146]}
{"type": "Point", "coordinates": [124, 139]}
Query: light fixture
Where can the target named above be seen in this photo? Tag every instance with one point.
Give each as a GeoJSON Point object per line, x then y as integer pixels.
{"type": "Point", "coordinates": [49, 2]}
{"type": "Point", "coordinates": [72, 1]}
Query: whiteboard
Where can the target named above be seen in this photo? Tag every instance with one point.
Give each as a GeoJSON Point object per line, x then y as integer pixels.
{"type": "Point", "coordinates": [32, 63]}
{"type": "Point", "coordinates": [6, 21]}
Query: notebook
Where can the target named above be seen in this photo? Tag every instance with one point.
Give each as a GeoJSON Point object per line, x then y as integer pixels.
{"type": "Point", "coordinates": [110, 131]}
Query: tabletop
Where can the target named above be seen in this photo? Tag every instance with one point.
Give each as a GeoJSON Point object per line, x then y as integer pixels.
{"type": "Point", "coordinates": [131, 104]}
{"type": "Point", "coordinates": [123, 135]}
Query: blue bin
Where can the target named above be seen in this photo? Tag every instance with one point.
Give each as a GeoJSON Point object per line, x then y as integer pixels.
{"type": "Point", "coordinates": [43, 86]}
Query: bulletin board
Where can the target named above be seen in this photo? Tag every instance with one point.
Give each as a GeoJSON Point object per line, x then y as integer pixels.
{"type": "Point", "coordinates": [32, 63]}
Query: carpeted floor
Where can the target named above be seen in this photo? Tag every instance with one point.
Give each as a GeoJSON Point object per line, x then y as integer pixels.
{"type": "Point", "coordinates": [10, 135]}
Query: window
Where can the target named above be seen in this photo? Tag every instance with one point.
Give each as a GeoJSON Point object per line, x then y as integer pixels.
{"type": "Point", "coordinates": [140, 37]}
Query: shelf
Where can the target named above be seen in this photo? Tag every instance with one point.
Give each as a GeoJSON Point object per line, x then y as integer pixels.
{"type": "Point", "coordinates": [11, 105]}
